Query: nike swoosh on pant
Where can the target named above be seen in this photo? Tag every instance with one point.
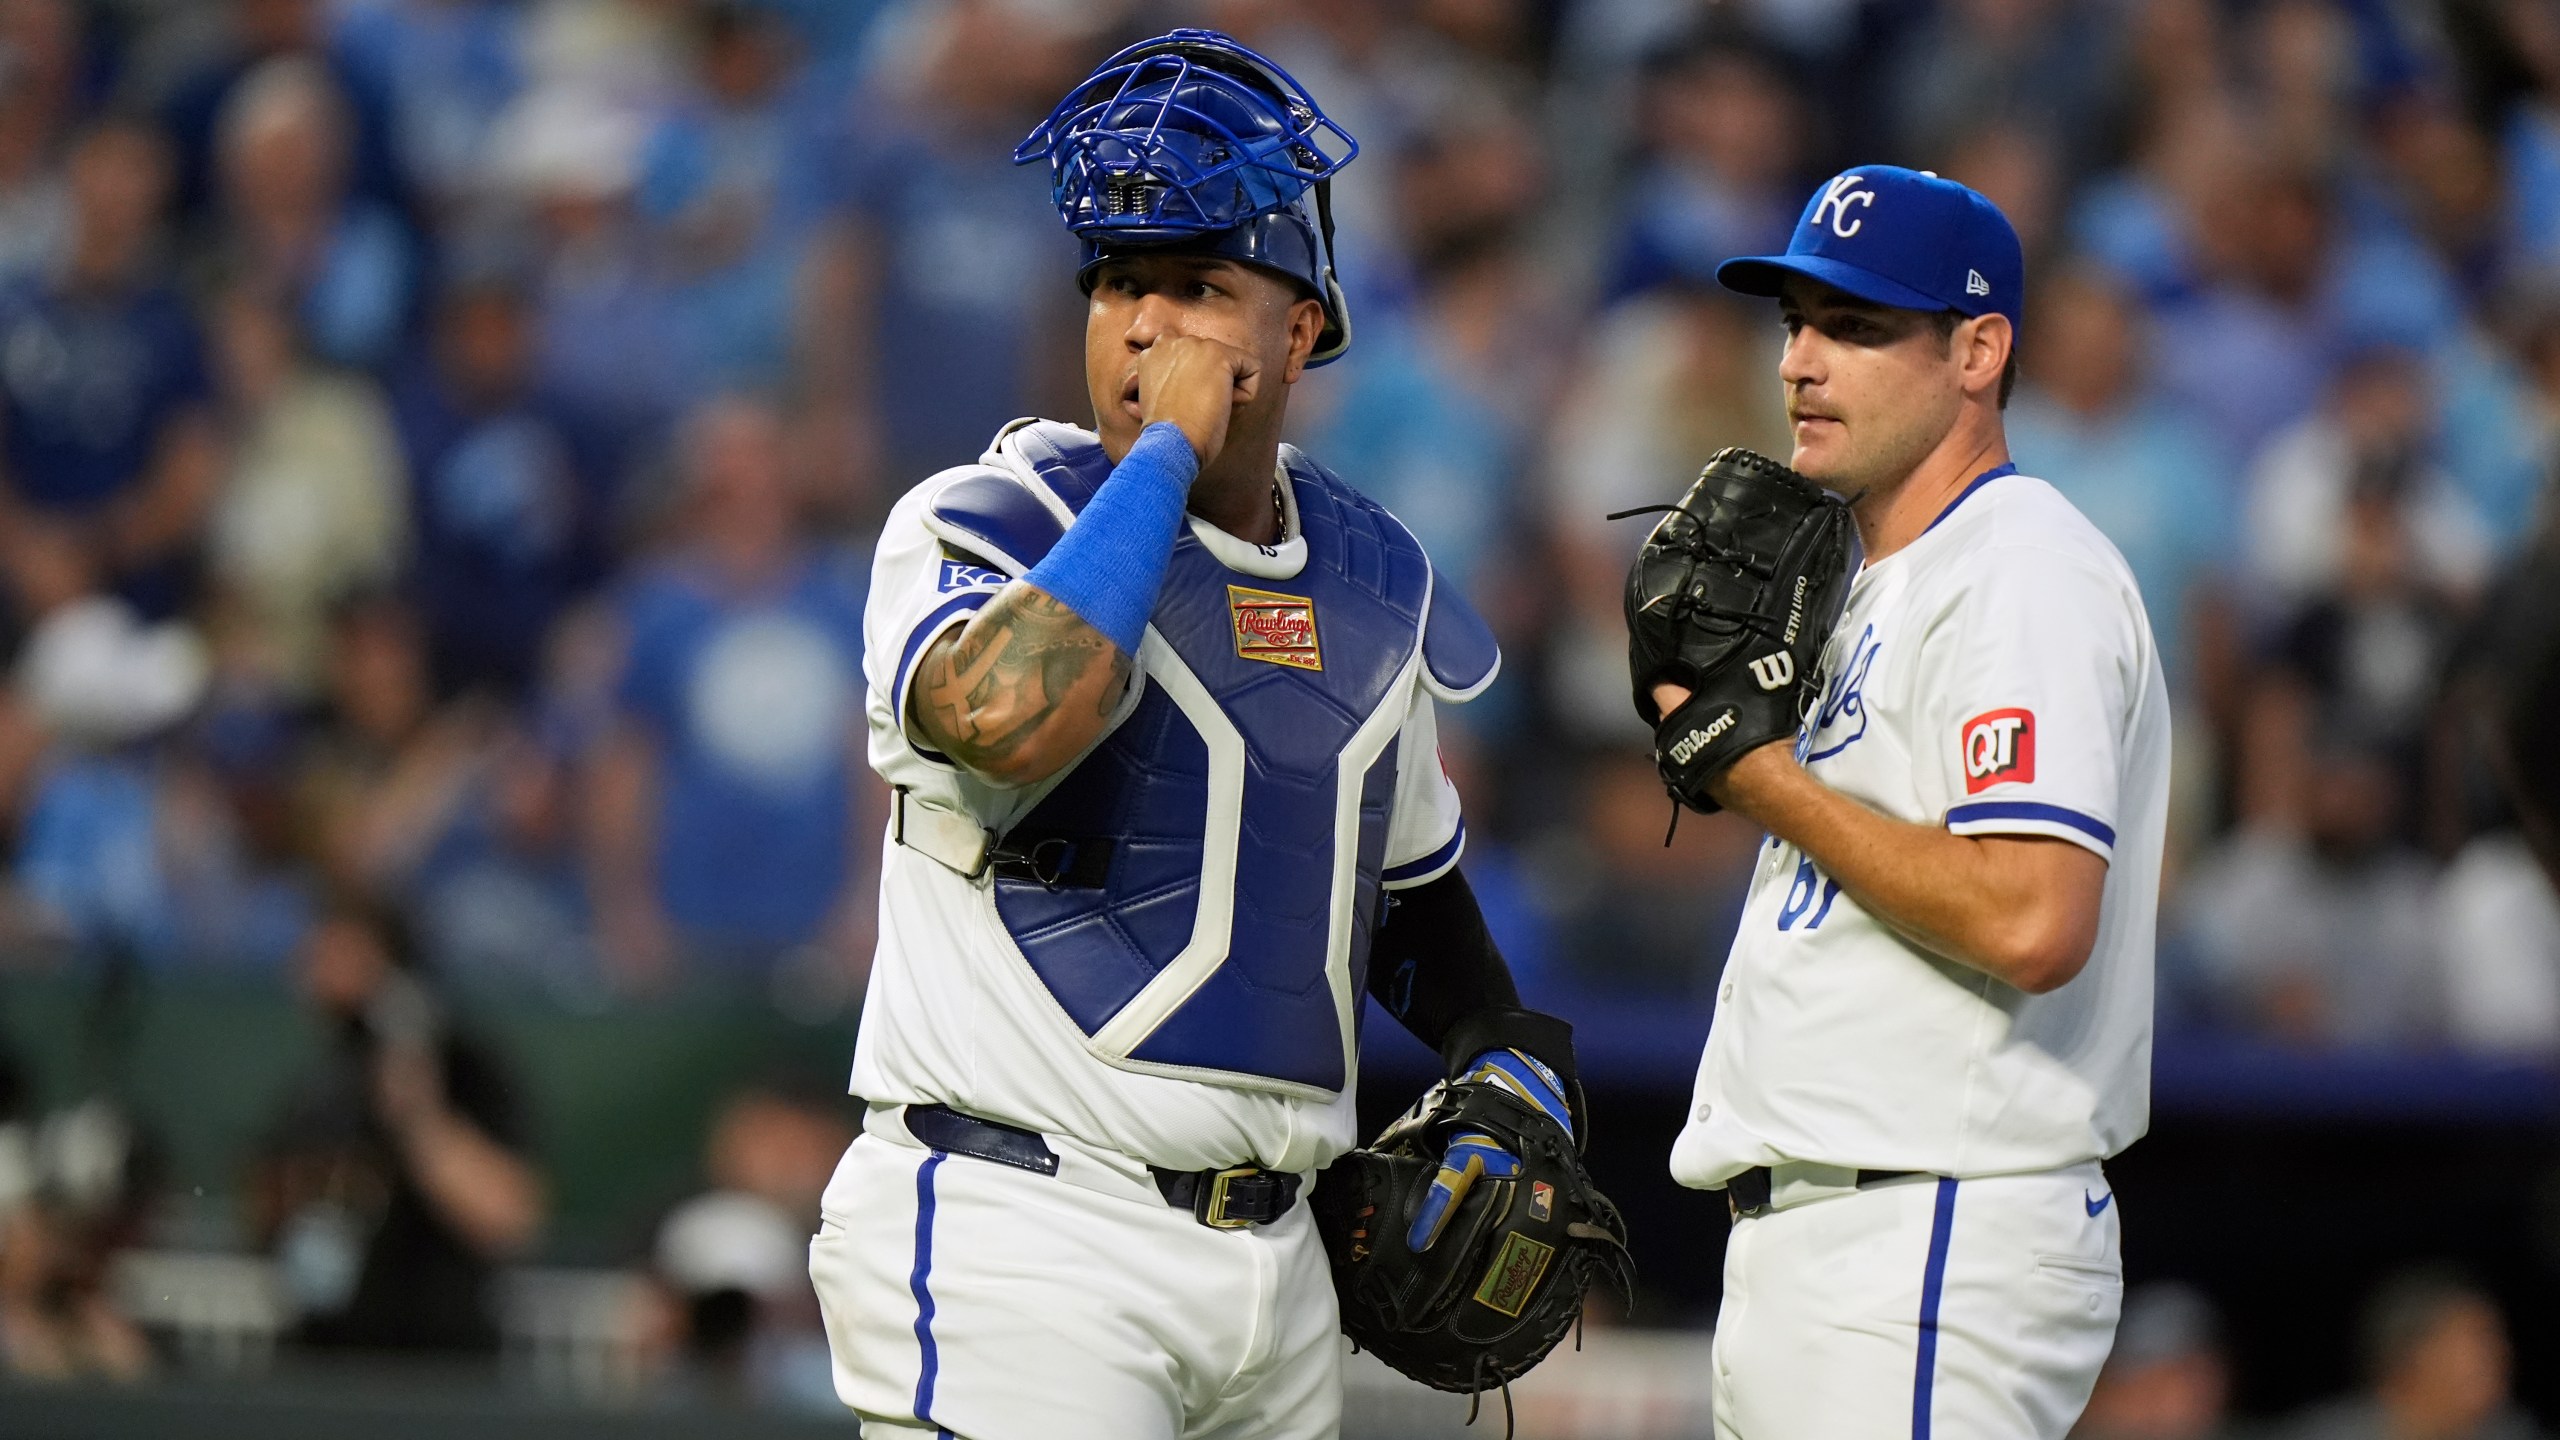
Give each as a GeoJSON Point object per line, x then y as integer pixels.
{"type": "Point", "coordinates": [2098, 1206]}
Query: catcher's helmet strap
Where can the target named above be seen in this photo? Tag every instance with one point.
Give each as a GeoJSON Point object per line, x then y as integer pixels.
{"type": "Point", "coordinates": [1337, 306]}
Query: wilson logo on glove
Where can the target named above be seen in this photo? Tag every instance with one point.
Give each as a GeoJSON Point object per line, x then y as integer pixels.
{"type": "Point", "coordinates": [1687, 746]}
{"type": "Point", "coordinates": [1774, 670]}
{"type": "Point", "coordinates": [1999, 747]}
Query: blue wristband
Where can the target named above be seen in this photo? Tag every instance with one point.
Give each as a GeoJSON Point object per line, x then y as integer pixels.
{"type": "Point", "coordinates": [1111, 562]}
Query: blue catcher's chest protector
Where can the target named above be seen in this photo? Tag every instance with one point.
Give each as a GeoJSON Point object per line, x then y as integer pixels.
{"type": "Point", "coordinates": [1223, 843]}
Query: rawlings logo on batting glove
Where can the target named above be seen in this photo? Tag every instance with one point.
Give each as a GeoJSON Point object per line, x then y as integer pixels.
{"type": "Point", "coordinates": [1473, 1155]}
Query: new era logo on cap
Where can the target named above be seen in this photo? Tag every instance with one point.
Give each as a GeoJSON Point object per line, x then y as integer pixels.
{"type": "Point", "coordinates": [1904, 238]}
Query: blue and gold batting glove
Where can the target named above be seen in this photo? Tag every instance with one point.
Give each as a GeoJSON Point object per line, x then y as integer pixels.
{"type": "Point", "coordinates": [1473, 1155]}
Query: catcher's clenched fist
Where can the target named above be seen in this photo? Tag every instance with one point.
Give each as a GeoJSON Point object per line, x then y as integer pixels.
{"type": "Point", "coordinates": [1731, 599]}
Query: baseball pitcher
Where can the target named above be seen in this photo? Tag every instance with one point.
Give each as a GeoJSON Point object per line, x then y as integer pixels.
{"type": "Point", "coordinates": [1935, 1023]}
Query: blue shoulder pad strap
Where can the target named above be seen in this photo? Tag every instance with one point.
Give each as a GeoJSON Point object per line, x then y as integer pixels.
{"type": "Point", "coordinates": [996, 511]}
{"type": "Point", "coordinates": [1459, 654]}
{"type": "Point", "coordinates": [995, 517]}
{"type": "Point", "coordinates": [1071, 462]}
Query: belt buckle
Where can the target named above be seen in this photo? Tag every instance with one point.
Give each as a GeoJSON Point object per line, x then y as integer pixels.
{"type": "Point", "coordinates": [1209, 1206]}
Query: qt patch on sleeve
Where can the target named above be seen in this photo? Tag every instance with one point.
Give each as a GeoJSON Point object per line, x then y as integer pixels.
{"type": "Point", "coordinates": [1999, 747]}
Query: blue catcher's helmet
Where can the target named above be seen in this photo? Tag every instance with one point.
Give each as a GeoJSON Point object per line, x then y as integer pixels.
{"type": "Point", "coordinates": [1191, 141]}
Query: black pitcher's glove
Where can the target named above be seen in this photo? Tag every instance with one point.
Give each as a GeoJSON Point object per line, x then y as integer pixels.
{"type": "Point", "coordinates": [1465, 1287]}
{"type": "Point", "coordinates": [1732, 598]}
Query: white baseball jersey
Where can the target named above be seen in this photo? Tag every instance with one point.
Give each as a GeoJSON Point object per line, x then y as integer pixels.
{"type": "Point", "coordinates": [1996, 676]}
{"type": "Point", "coordinates": [1191, 997]}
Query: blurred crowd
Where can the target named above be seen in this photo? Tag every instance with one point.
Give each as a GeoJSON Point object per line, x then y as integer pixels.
{"type": "Point", "coordinates": [394, 1181]}
{"type": "Point", "coordinates": [440, 442]}
{"type": "Point", "coordinates": [2433, 1355]}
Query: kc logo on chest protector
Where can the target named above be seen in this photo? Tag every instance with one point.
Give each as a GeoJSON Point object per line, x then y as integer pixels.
{"type": "Point", "coordinates": [1999, 747]}
{"type": "Point", "coordinates": [1279, 629]}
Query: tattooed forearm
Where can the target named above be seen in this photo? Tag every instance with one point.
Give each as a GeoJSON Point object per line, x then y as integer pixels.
{"type": "Point", "coordinates": [1021, 689]}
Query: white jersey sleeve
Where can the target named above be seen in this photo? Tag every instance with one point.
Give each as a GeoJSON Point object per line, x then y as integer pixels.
{"type": "Point", "coordinates": [2033, 671]}
{"type": "Point", "coordinates": [1427, 831]}
{"type": "Point", "coordinates": [918, 592]}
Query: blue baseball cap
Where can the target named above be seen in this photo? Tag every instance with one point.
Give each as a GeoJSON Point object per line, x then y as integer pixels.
{"type": "Point", "coordinates": [1897, 237]}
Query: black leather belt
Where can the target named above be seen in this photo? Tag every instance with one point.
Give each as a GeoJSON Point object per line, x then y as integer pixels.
{"type": "Point", "coordinates": [1747, 1194]}
{"type": "Point", "coordinates": [942, 1128]}
{"type": "Point", "coordinates": [1228, 1199]}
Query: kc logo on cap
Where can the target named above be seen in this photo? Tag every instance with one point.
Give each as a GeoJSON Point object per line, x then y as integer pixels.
{"type": "Point", "coordinates": [1836, 200]}
{"type": "Point", "coordinates": [1904, 238]}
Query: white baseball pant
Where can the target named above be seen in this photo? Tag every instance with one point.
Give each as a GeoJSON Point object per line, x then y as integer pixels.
{"type": "Point", "coordinates": [1934, 1308]}
{"type": "Point", "coordinates": [970, 1299]}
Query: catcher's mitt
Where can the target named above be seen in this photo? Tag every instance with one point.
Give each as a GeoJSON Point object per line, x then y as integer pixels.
{"type": "Point", "coordinates": [1732, 597]}
{"type": "Point", "coordinates": [1505, 1278]}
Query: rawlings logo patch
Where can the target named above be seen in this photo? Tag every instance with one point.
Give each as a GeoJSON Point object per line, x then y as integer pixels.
{"type": "Point", "coordinates": [1999, 746]}
{"type": "Point", "coordinates": [1279, 629]}
{"type": "Point", "coordinates": [1514, 1274]}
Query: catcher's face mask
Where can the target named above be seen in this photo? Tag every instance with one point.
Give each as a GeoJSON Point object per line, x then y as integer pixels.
{"type": "Point", "coordinates": [1194, 142]}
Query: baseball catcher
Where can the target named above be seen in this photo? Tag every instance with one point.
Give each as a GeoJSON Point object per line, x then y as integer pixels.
{"type": "Point", "coordinates": [1158, 702]}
